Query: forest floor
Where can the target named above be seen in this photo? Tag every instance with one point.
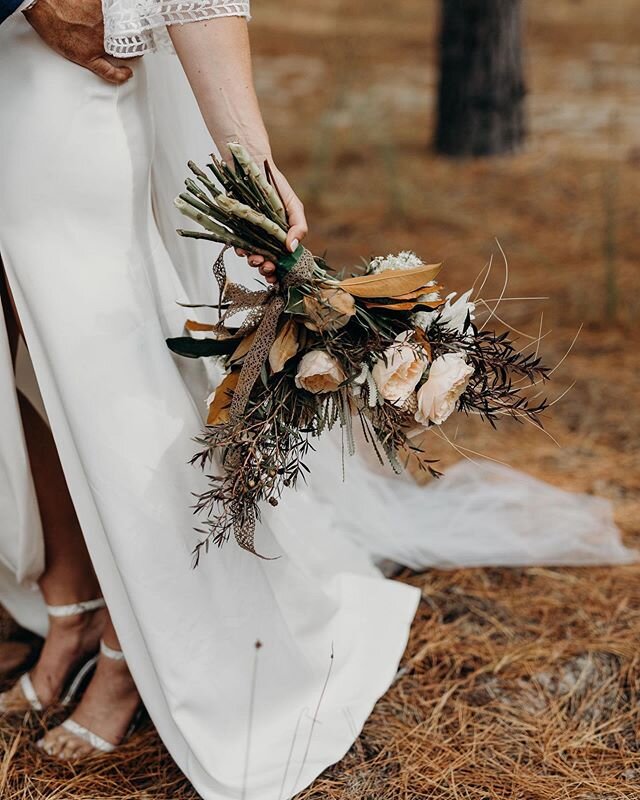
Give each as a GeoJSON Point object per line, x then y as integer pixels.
{"type": "Point", "coordinates": [518, 684]}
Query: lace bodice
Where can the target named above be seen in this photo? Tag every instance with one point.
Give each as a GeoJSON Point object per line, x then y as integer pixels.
{"type": "Point", "coordinates": [133, 27]}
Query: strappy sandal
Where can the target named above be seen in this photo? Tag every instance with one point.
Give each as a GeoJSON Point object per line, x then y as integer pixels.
{"type": "Point", "coordinates": [97, 743]}
{"type": "Point", "coordinates": [77, 679]}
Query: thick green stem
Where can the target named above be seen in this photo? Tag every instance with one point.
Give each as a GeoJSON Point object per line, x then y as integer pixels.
{"type": "Point", "coordinates": [203, 178]}
{"type": "Point", "coordinates": [231, 240]}
{"type": "Point", "coordinates": [250, 215]}
{"type": "Point", "coordinates": [242, 154]}
{"type": "Point", "coordinates": [201, 218]}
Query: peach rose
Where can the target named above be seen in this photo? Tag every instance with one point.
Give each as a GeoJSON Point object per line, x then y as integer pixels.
{"type": "Point", "coordinates": [318, 372]}
{"type": "Point", "coordinates": [438, 395]}
{"type": "Point", "coordinates": [399, 372]}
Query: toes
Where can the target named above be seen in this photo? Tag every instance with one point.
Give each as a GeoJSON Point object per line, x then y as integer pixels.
{"type": "Point", "coordinates": [63, 745]}
{"type": "Point", "coordinates": [67, 748]}
{"type": "Point", "coordinates": [76, 749]}
{"type": "Point", "coordinates": [47, 744]}
{"type": "Point", "coordinates": [60, 745]}
{"type": "Point", "coordinates": [53, 742]}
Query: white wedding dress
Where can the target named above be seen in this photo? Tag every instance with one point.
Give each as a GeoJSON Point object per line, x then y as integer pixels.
{"type": "Point", "coordinates": [87, 175]}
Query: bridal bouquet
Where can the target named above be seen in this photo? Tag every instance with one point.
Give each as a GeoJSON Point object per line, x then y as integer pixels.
{"type": "Point", "coordinates": [383, 350]}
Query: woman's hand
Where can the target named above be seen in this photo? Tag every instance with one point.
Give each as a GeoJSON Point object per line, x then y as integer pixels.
{"type": "Point", "coordinates": [297, 220]}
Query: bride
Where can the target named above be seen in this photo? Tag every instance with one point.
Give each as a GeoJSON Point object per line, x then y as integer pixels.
{"type": "Point", "coordinates": [257, 674]}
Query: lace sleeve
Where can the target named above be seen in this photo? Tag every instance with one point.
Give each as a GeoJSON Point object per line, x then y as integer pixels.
{"type": "Point", "coordinates": [133, 27]}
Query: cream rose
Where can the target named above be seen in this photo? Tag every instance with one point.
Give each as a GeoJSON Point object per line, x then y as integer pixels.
{"type": "Point", "coordinates": [398, 373]}
{"type": "Point", "coordinates": [318, 372]}
{"type": "Point", "coordinates": [438, 395]}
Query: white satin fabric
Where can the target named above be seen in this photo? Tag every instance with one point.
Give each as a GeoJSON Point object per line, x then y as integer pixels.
{"type": "Point", "coordinates": [95, 284]}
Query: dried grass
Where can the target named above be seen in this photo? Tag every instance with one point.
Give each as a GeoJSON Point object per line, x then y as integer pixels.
{"type": "Point", "coordinates": [517, 685]}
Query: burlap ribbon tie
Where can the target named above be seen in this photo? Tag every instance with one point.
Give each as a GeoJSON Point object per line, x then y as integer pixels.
{"type": "Point", "coordinates": [265, 309]}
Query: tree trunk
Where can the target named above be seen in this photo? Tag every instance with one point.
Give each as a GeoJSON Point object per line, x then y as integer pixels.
{"type": "Point", "coordinates": [481, 89]}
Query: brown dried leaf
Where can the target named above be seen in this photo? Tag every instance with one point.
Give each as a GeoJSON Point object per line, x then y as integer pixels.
{"type": "Point", "coordinates": [221, 403]}
{"type": "Point", "coordinates": [194, 325]}
{"type": "Point", "coordinates": [421, 338]}
{"type": "Point", "coordinates": [284, 347]}
{"type": "Point", "coordinates": [390, 283]}
{"type": "Point", "coordinates": [328, 309]}
{"type": "Point", "coordinates": [419, 292]}
{"type": "Point", "coordinates": [407, 306]}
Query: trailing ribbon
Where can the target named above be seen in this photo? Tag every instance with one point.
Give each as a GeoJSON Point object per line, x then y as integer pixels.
{"type": "Point", "coordinates": [265, 309]}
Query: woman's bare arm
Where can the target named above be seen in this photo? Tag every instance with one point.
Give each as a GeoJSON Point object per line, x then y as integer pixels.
{"type": "Point", "coordinates": [216, 57]}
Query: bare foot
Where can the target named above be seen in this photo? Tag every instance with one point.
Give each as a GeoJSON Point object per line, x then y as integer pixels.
{"type": "Point", "coordinates": [106, 710]}
{"type": "Point", "coordinates": [70, 641]}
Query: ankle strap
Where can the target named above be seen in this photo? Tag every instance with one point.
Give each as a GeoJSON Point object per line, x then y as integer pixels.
{"type": "Point", "coordinates": [109, 652]}
{"type": "Point", "coordinates": [76, 608]}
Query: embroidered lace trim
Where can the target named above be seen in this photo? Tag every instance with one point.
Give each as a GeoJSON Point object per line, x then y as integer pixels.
{"type": "Point", "coordinates": [134, 27]}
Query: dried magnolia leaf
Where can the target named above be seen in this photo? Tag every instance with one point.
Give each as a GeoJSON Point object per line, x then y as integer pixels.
{"type": "Point", "coordinates": [410, 305]}
{"type": "Point", "coordinates": [221, 403]}
{"type": "Point", "coordinates": [423, 290]}
{"type": "Point", "coordinates": [284, 347]}
{"type": "Point", "coordinates": [421, 338]}
{"type": "Point", "coordinates": [391, 282]}
{"type": "Point", "coordinates": [243, 348]}
{"type": "Point", "coordinates": [194, 325]}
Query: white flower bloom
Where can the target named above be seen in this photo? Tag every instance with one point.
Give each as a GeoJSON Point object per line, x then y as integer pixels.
{"type": "Point", "coordinates": [438, 395]}
{"type": "Point", "coordinates": [406, 259]}
{"type": "Point", "coordinates": [451, 315]}
{"type": "Point", "coordinates": [399, 372]}
{"type": "Point", "coordinates": [423, 319]}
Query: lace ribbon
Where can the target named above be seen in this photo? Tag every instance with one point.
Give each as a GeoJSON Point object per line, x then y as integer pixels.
{"type": "Point", "coordinates": [265, 309]}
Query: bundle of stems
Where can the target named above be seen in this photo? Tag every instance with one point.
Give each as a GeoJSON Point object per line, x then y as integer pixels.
{"type": "Point", "coordinates": [247, 213]}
